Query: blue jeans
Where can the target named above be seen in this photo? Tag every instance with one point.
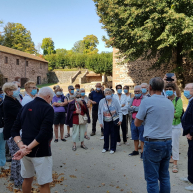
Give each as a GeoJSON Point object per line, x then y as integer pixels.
{"type": "Point", "coordinates": [156, 156]}
{"type": "Point", "coordinates": [2, 150]}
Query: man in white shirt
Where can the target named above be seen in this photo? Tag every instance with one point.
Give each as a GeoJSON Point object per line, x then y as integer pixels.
{"type": "Point", "coordinates": [122, 99]}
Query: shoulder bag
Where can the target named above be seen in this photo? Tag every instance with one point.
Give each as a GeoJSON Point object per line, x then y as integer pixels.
{"type": "Point", "coordinates": [83, 119]}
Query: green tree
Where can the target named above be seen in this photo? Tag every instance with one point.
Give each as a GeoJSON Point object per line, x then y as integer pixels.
{"type": "Point", "coordinates": [48, 46]}
{"type": "Point", "coordinates": [79, 47]}
{"type": "Point", "coordinates": [61, 51]}
{"type": "Point", "coordinates": [90, 44]}
{"type": "Point", "coordinates": [16, 36]}
{"type": "Point", "coordinates": [149, 28]}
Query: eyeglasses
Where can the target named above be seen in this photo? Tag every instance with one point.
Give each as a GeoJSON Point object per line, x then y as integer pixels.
{"type": "Point", "coordinates": [78, 97]}
{"type": "Point", "coordinates": [137, 91]}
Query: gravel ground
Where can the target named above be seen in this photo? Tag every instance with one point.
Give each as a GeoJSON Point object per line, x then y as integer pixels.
{"type": "Point", "coordinates": [87, 171]}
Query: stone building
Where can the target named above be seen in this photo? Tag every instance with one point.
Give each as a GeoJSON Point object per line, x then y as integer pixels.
{"type": "Point", "coordinates": [22, 66]}
{"type": "Point", "coordinates": [137, 72]}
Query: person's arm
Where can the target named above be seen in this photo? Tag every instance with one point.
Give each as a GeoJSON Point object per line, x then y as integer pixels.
{"type": "Point", "coordinates": [100, 114]}
{"type": "Point", "coordinates": [141, 114]}
{"type": "Point", "coordinates": [179, 109]}
{"type": "Point", "coordinates": [126, 105]}
{"type": "Point", "coordinates": [15, 130]}
{"type": "Point", "coordinates": [178, 93]}
{"type": "Point", "coordinates": [119, 112]}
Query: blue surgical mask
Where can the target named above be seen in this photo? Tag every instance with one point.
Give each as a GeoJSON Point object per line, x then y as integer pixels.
{"type": "Point", "coordinates": [125, 91]}
{"type": "Point", "coordinates": [78, 89]}
{"type": "Point", "coordinates": [169, 92]}
{"type": "Point", "coordinates": [82, 93]}
{"type": "Point", "coordinates": [15, 93]}
{"type": "Point", "coordinates": [112, 95]}
{"type": "Point", "coordinates": [144, 90]}
{"type": "Point", "coordinates": [119, 91]}
{"type": "Point", "coordinates": [34, 92]}
{"type": "Point", "coordinates": [98, 89]}
{"type": "Point", "coordinates": [19, 89]}
{"type": "Point", "coordinates": [187, 94]}
{"type": "Point", "coordinates": [59, 93]}
{"type": "Point", "coordinates": [72, 91]}
{"type": "Point", "coordinates": [108, 97]}
{"type": "Point", "coordinates": [1, 96]}
{"type": "Point", "coordinates": [138, 95]}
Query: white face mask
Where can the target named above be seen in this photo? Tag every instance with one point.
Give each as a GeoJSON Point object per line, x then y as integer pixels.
{"type": "Point", "coordinates": [59, 93]}
{"type": "Point", "coordinates": [78, 100]}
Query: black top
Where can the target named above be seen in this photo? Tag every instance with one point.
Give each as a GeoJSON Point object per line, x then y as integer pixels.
{"type": "Point", "coordinates": [1, 115]}
{"type": "Point", "coordinates": [36, 121]}
{"type": "Point", "coordinates": [96, 96]}
{"type": "Point", "coordinates": [11, 108]}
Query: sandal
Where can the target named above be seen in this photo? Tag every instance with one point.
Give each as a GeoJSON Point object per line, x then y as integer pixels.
{"type": "Point", "coordinates": [84, 147]}
{"type": "Point", "coordinates": [67, 135]}
{"type": "Point", "coordinates": [87, 137]}
{"type": "Point", "coordinates": [175, 169]}
{"type": "Point", "coordinates": [74, 148]}
{"type": "Point", "coordinates": [56, 140]}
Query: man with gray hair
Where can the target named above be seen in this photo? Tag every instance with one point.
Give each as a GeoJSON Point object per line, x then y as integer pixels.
{"type": "Point", "coordinates": [136, 132]}
{"type": "Point", "coordinates": [157, 114]}
{"type": "Point", "coordinates": [144, 89]}
{"type": "Point", "coordinates": [36, 121]}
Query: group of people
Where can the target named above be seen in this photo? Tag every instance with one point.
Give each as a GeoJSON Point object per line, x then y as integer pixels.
{"type": "Point", "coordinates": [153, 115]}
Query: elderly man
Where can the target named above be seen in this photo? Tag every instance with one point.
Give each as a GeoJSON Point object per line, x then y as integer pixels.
{"type": "Point", "coordinates": [144, 89]}
{"type": "Point", "coordinates": [36, 120]}
{"type": "Point", "coordinates": [95, 97]}
{"type": "Point", "coordinates": [187, 124]}
{"type": "Point", "coordinates": [157, 113]}
{"type": "Point", "coordinates": [136, 132]}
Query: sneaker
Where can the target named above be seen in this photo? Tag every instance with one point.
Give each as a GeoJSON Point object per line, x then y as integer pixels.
{"type": "Point", "coordinates": [141, 156]}
{"type": "Point", "coordinates": [102, 138]}
{"type": "Point", "coordinates": [111, 152]}
{"type": "Point", "coordinates": [56, 140]}
{"type": "Point", "coordinates": [17, 187]}
{"type": "Point", "coordinates": [126, 143]}
{"type": "Point", "coordinates": [134, 153]}
{"type": "Point", "coordinates": [185, 179]}
{"type": "Point", "coordinates": [92, 134]}
{"type": "Point", "coordinates": [8, 159]}
{"type": "Point", "coordinates": [189, 187]}
{"type": "Point", "coordinates": [119, 143]}
{"type": "Point", "coordinates": [104, 150]}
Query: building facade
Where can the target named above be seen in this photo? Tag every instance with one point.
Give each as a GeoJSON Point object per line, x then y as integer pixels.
{"type": "Point", "coordinates": [22, 67]}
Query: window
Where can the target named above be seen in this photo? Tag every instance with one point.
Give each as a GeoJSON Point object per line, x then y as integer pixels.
{"type": "Point", "coordinates": [5, 80]}
{"type": "Point", "coordinates": [40, 65]}
{"type": "Point", "coordinates": [6, 60]}
{"type": "Point", "coordinates": [26, 63]}
{"type": "Point", "coordinates": [17, 61]}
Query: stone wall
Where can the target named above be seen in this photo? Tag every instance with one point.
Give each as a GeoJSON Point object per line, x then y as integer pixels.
{"type": "Point", "coordinates": [93, 79]}
{"type": "Point", "coordinates": [137, 72]}
{"type": "Point", "coordinates": [11, 71]}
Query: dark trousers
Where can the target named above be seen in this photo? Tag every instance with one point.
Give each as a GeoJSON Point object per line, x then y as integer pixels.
{"type": "Point", "coordinates": [190, 161]}
{"type": "Point", "coordinates": [110, 130]}
{"type": "Point", "coordinates": [124, 128]}
{"type": "Point", "coordinates": [94, 120]}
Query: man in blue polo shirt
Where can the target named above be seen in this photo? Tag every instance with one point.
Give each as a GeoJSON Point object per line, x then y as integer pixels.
{"type": "Point", "coordinates": [95, 98]}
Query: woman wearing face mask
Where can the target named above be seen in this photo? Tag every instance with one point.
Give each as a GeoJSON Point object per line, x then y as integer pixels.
{"type": "Point", "coordinates": [11, 107]}
{"type": "Point", "coordinates": [58, 103]}
{"type": "Point", "coordinates": [170, 88]}
{"type": "Point", "coordinates": [76, 107]}
{"type": "Point", "coordinates": [110, 117]}
{"type": "Point", "coordinates": [31, 91]}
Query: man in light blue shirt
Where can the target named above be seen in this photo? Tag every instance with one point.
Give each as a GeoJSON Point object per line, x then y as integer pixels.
{"type": "Point", "coordinates": [157, 113]}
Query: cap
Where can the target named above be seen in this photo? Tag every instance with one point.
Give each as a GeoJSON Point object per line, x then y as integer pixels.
{"type": "Point", "coordinates": [70, 87]}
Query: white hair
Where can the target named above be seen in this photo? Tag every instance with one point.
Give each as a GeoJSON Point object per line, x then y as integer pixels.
{"type": "Point", "coordinates": [191, 84]}
{"type": "Point", "coordinates": [137, 87]}
{"type": "Point", "coordinates": [145, 84]}
{"type": "Point", "coordinates": [46, 91]}
{"type": "Point", "coordinates": [108, 90]}
{"type": "Point", "coordinates": [82, 89]}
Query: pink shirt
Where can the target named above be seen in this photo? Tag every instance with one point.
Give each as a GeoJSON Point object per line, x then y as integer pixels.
{"type": "Point", "coordinates": [136, 102]}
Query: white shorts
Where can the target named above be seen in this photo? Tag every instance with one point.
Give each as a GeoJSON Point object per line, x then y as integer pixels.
{"type": "Point", "coordinates": [41, 166]}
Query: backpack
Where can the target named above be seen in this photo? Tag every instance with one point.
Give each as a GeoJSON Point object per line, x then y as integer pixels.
{"type": "Point", "coordinates": [183, 109]}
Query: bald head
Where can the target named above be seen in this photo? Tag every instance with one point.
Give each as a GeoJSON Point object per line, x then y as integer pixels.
{"type": "Point", "coordinates": [46, 93]}
{"type": "Point", "coordinates": [98, 87]}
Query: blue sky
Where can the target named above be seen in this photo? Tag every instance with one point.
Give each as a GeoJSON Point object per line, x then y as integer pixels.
{"type": "Point", "coordinates": [65, 21]}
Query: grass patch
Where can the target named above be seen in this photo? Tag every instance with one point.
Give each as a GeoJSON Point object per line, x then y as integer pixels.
{"type": "Point", "coordinates": [66, 69]}
{"type": "Point", "coordinates": [43, 85]}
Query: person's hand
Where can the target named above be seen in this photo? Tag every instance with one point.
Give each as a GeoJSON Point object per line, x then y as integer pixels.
{"type": "Point", "coordinates": [123, 105]}
{"type": "Point", "coordinates": [81, 103]}
{"type": "Point", "coordinates": [78, 111]}
{"type": "Point", "coordinates": [164, 79]}
{"type": "Point", "coordinates": [94, 103]}
{"type": "Point", "coordinates": [21, 153]}
{"type": "Point", "coordinates": [88, 105]}
{"type": "Point", "coordinates": [175, 79]}
{"type": "Point", "coordinates": [119, 123]}
{"type": "Point", "coordinates": [189, 137]}
{"type": "Point", "coordinates": [101, 125]}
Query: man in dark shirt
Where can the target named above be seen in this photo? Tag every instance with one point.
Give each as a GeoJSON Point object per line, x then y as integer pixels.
{"type": "Point", "coordinates": [95, 98]}
{"type": "Point", "coordinates": [36, 120]}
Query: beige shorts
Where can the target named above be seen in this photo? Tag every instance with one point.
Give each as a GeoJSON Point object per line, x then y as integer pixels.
{"type": "Point", "coordinates": [41, 166]}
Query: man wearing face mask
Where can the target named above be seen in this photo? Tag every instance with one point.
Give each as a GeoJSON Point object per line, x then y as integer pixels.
{"type": "Point", "coordinates": [31, 91]}
{"type": "Point", "coordinates": [20, 97]}
{"type": "Point", "coordinates": [187, 124]}
{"type": "Point", "coordinates": [144, 90]}
{"type": "Point", "coordinates": [122, 99]}
{"type": "Point", "coordinates": [95, 97]}
{"type": "Point", "coordinates": [136, 132]}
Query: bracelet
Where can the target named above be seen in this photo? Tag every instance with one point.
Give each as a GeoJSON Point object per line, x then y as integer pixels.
{"type": "Point", "coordinates": [18, 141]}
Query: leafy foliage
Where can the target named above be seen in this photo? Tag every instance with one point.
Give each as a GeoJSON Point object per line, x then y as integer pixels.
{"type": "Point", "coordinates": [16, 36]}
{"type": "Point", "coordinates": [90, 44]}
{"type": "Point", "coordinates": [79, 47]}
{"type": "Point", "coordinates": [48, 46]}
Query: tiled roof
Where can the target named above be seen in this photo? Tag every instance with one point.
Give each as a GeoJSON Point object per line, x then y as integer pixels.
{"type": "Point", "coordinates": [20, 53]}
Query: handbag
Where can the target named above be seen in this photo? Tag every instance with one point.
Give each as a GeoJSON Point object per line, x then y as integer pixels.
{"type": "Point", "coordinates": [115, 118]}
{"type": "Point", "coordinates": [83, 119]}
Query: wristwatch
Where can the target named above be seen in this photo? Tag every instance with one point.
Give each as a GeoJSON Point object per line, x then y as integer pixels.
{"type": "Point", "coordinates": [18, 141]}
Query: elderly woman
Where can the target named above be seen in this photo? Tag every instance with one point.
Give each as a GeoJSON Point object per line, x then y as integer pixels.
{"type": "Point", "coordinates": [11, 107]}
{"type": "Point", "coordinates": [76, 108]}
{"type": "Point", "coordinates": [86, 99]}
{"type": "Point", "coordinates": [58, 103]}
{"type": "Point", "coordinates": [170, 89]}
{"type": "Point", "coordinates": [31, 91]}
{"type": "Point", "coordinates": [110, 117]}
